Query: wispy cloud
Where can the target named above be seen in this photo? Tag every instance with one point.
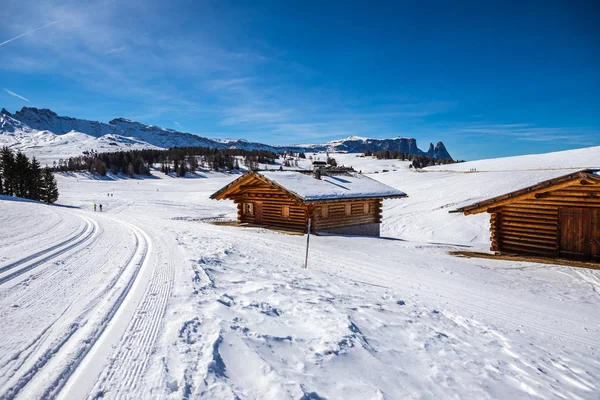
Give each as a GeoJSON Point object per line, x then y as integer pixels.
{"type": "Point", "coordinates": [291, 112]}
{"type": "Point", "coordinates": [17, 95]}
{"type": "Point", "coordinates": [115, 50]}
{"type": "Point", "coordinates": [30, 32]}
{"type": "Point", "coordinates": [534, 133]}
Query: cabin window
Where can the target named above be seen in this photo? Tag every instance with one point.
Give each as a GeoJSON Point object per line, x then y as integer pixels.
{"type": "Point", "coordinates": [285, 211]}
{"type": "Point", "coordinates": [324, 211]}
{"type": "Point", "coordinates": [248, 208]}
{"type": "Point", "coordinates": [348, 209]}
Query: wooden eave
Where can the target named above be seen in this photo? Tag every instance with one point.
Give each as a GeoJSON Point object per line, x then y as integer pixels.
{"type": "Point", "coordinates": [585, 177]}
{"type": "Point", "coordinates": [227, 192]}
{"type": "Point", "coordinates": [358, 198]}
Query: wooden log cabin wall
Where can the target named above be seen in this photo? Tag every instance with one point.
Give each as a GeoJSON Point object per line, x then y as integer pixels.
{"type": "Point", "coordinates": [555, 218]}
{"type": "Point", "coordinates": [262, 201]}
{"type": "Point", "coordinates": [342, 213]}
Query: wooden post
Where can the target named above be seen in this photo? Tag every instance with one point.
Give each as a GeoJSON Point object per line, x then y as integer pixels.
{"type": "Point", "coordinates": [307, 241]}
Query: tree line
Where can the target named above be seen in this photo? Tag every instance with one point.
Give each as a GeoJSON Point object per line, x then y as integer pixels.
{"type": "Point", "coordinates": [177, 160]}
{"type": "Point", "coordinates": [418, 160]}
{"type": "Point", "coordinates": [25, 178]}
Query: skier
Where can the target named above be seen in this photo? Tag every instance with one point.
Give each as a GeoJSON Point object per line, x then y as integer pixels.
{"type": "Point", "coordinates": [100, 207]}
{"type": "Point", "coordinates": [94, 206]}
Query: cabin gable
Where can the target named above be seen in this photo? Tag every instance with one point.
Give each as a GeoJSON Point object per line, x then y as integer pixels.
{"type": "Point", "coordinates": [260, 202]}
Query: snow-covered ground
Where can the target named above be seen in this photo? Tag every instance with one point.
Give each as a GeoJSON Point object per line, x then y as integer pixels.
{"type": "Point", "coordinates": [588, 157]}
{"type": "Point", "coordinates": [149, 300]}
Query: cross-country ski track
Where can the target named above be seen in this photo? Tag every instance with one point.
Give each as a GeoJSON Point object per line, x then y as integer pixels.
{"type": "Point", "coordinates": [61, 345]}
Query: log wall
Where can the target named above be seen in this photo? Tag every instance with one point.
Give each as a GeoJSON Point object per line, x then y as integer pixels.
{"type": "Point", "coordinates": [361, 212]}
{"type": "Point", "coordinates": [531, 226]}
{"type": "Point", "coordinates": [269, 200]}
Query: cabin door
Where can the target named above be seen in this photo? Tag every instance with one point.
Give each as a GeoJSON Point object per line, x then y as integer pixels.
{"type": "Point", "coordinates": [595, 235]}
{"type": "Point", "coordinates": [258, 213]}
{"type": "Point", "coordinates": [577, 234]}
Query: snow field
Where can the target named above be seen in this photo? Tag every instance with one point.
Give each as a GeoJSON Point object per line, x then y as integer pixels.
{"type": "Point", "coordinates": [156, 303]}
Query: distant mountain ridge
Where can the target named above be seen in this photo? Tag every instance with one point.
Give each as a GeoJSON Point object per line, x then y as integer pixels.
{"type": "Point", "coordinates": [33, 127]}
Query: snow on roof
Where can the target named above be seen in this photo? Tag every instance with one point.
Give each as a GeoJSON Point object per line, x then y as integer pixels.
{"type": "Point", "coordinates": [352, 185]}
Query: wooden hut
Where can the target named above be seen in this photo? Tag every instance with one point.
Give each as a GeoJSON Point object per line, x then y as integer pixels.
{"type": "Point", "coordinates": [347, 203]}
{"type": "Point", "coordinates": [556, 218]}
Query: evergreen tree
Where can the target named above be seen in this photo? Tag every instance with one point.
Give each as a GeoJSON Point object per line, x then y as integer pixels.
{"type": "Point", "coordinates": [193, 164]}
{"type": "Point", "coordinates": [35, 180]}
{"type": "Point", "coordinates": [7, 159]}
{"type": "Point", "coordinates": [181, 170]}
{"type": "Point", "coordinates": [130, 170]}
{"type": "Point", "coordinates": [50, 188]}
{"type": "Point", "coordinates": [21, 174]}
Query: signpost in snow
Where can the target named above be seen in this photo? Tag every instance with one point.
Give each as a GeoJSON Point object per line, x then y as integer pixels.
{"type": "Point", "coordinates": [307, 241]}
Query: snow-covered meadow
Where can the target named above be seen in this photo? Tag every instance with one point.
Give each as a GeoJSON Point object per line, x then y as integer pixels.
{"type": "Point", "coordinates": [149, 299]}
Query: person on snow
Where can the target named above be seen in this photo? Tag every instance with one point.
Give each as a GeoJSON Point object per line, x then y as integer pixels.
{"type": "Point", "coordinates": [100, 207]}
{"type": "Point", "coordinates": [94, 206]}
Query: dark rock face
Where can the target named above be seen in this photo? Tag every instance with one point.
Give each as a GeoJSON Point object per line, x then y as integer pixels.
{"type": "Point", "coordinates": [401, 145]}
{"type": "Point", "coordinates": [47, 120]}
{"type": "Point", "coordinates": [438, 152]}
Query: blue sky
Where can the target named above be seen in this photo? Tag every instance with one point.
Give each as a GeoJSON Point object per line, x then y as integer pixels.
{"type": "Point", "coordinates": [487, 78]}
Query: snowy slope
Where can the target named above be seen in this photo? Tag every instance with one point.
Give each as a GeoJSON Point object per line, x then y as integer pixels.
{"type": "Point", "coordinates": [148, 300]}
{"type": "Point", "coordinates": [32, 130]}
{"type": "Point", "coordinates": [570, 159]}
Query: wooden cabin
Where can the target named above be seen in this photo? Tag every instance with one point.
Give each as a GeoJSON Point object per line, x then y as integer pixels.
{"type": "Point", "coordinates": [347, 203]}
{"type": "Point", "coordinates": [556, 218]}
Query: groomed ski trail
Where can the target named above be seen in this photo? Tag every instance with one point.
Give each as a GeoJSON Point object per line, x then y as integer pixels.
{"type": "Point", "coordinates": [47, 375]}
{"type": "Point", "coordinates": [26, 264]}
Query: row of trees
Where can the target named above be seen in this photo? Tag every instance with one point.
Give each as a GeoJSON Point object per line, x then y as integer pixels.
{"type": "Point", "coordinates": [418, 161]}
{"type": "Point", "coordinates": [178, 160]}
{"type": "Point", "coordinates": [21, 177]}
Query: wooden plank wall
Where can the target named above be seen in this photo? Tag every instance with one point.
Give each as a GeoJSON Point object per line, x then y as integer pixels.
{"type": "Point", "coordinates": [531, 226]}
{"type": "Point", "coordinates": [337, 216]}
{"type": "Point", "coordinates": [272, 200]}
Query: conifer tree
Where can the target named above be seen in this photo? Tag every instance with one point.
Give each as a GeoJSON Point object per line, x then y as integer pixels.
{"type": "Point", "coordinates": [35, 181]}
{"type": "Point", "coordinates": [7, 159]}
{"type": "Point", "coordinates": [21, 174]}
{"type": "Point", "coordinates": [49, 188]}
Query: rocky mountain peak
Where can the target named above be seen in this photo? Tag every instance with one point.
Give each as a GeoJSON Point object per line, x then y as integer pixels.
{"type": "Point", "coordinates": [30, 119]}
{"type": "Point", "coordinates": [32, 111]}
{"type": "Point", "coordinates": [122, 120]}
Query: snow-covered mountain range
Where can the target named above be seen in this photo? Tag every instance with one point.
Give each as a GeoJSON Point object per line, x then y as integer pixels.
{"type": "Point", "coordinates": [43, 131]}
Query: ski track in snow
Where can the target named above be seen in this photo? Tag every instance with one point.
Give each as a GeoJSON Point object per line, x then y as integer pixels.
{"type": "Point", "coordinates": [84, 328]}
{"type": "Point", "coordinates": [125, 369]}
{"type": "Point", "coordinates": [17, 268]}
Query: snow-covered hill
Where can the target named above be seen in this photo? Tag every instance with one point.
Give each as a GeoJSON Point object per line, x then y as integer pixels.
{"type": "Point", "coordinates": [39, 132]}
{"type": "Point", "coordinates": [588, 157]}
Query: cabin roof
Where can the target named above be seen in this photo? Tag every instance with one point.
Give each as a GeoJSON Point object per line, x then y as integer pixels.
{"type": "Point", "coordinates": [308, 189]}
{"type": "Point", "coordinates": [590, 176]}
